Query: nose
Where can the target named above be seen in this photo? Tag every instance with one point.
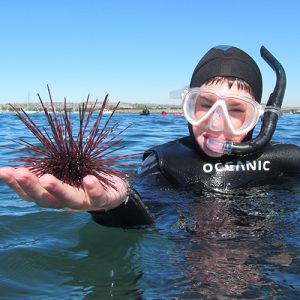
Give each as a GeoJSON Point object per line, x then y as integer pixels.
{"type": "Point", "coordinates": [217, 120]}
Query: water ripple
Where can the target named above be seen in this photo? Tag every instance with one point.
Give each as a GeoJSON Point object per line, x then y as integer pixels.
{"type": "Point", "coordinates": [240, 245]}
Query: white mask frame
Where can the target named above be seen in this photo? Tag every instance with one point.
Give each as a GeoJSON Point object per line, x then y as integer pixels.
{"type": "Point", "coordinates": [219, 106]}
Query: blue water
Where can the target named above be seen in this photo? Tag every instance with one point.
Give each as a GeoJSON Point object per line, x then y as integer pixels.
{"type": "Point", "coordinates": [206, 245]}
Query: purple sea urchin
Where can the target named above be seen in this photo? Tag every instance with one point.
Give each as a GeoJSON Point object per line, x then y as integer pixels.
{"type": "Point", "coordinates": [71, 156]}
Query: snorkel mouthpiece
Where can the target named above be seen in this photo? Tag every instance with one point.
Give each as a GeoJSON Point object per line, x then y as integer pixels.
{"type": "Point", "coordinates": [270, 117]}
{"type": "Point", "coordinates": [218, 145]}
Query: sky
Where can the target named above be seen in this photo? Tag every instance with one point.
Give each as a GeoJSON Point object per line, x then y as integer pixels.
{"type": "Point", "coordinates": [136, 51]}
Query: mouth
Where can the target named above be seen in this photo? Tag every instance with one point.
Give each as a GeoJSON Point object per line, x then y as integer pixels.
{"type": "Point", "coordinates": [214, 143]}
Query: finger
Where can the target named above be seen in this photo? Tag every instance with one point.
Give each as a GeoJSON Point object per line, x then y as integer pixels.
{"type": "Point", "coordinates": [105, 198]}
{"type": "Point", "coordinates": [95, 192]}
{"type": "Point", "coordinates": [31, 186]}
{"type": "Point", "coordinates": [7, 175]}
{"type": "Point", "coordinates": [71, 198]}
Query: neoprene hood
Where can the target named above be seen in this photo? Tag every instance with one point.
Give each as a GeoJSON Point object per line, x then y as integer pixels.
{"type": "Point", "coordinates": [228, 61]}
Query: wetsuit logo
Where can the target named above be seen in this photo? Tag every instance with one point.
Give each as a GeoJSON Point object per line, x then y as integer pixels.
{"type": "Point", "coordinates": [255, 165]}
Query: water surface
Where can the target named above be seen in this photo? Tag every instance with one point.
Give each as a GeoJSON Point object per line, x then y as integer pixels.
{"type": "Point", "coordinates": [239, 245]}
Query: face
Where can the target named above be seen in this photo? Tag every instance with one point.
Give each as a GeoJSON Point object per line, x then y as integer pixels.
{"type": "Point", "coordinates": [216, 128]}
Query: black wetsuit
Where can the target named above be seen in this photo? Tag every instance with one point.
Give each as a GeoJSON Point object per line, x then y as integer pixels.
{"type": "Point", "coordinates": [180, 163]}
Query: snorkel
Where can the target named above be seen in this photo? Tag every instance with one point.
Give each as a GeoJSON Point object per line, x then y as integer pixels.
{"type": "Point", "coordinates": [270, 117]}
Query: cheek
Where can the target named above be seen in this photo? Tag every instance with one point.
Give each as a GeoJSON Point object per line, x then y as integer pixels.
{"type": "Point", "coordinates": [238, 121]}
{"type": "Point", "coordinates": [197, 132]}
{"type": "Point", "coordinates": [238, 138]}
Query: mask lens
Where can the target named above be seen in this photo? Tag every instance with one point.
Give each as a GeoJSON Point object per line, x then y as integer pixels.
{"type": "Point", "coordinates": [242, 113]}
{"type": "Point", "coordinates": [203, 107]}
{"type": "Point", "coordinates": [197, 104]}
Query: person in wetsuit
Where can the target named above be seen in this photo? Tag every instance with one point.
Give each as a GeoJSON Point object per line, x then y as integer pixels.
{"type": "Point", "coordinates": [222, 106]}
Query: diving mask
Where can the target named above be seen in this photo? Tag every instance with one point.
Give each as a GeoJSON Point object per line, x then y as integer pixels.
{"type": "Point", "coordinates": [234, 115]}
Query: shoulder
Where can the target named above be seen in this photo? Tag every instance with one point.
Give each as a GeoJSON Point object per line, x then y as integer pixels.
{"type": "Point", "coordinates": [166, 147]}
{"type": "Point", "coordinates": [155, 158]}
{"type": "Point", "coordinates": [284, 157]}
{"type": "Point", "coordinates": [282, 150]}
{"type": "Point", "coordinates": [149, 165]}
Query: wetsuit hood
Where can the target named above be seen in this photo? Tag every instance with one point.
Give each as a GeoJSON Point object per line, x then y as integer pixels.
{"type": "Point", "coordinates": [228, 61]}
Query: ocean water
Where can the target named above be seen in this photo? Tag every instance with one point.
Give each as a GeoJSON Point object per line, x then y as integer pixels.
{"type": "Point", "coordinates": [205, 245]}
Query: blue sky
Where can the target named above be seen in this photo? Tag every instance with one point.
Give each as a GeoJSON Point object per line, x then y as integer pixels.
{"type": "Point", "coordinates": [136, 51]}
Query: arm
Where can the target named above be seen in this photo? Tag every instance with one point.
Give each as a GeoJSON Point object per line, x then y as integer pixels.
{"type": "Point", "coordinates": [131, 213]}
{"type": "Point", "coordinates": [115, 206]}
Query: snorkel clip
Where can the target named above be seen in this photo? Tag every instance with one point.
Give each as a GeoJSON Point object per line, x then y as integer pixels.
{"type": "Point", "coordinates": [273, 109]}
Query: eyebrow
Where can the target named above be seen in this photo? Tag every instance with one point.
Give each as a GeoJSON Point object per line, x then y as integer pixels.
{"type": "Point", "coordinates": [207, 99]}
{"type": "Point", "coordinates": [237, 106]}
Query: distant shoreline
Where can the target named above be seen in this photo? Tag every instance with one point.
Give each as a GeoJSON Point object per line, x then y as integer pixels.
{"type": "Point", "coordinates": [73, 107]}
{"type": "Point", "coordinates": [125, 108]}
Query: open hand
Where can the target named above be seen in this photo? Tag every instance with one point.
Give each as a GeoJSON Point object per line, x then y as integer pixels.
{"type": "Point", "coordinates": [48, 191]}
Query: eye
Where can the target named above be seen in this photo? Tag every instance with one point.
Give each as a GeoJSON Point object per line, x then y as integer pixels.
{"type": "Point", "coordinates": [205, 105]}
{"type": "Point", "coordinates": [237, 110]}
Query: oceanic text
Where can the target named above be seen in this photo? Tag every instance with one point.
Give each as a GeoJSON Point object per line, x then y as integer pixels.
{"type": "Point", "coordinates": [255, 165]}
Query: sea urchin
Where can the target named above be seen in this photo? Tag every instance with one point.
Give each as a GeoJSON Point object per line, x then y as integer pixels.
{"type": "Point", "coordinates": [71, 156]}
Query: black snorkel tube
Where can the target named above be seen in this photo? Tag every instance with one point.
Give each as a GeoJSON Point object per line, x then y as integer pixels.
{"type": "Point", "coordinates": [271, 114]}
